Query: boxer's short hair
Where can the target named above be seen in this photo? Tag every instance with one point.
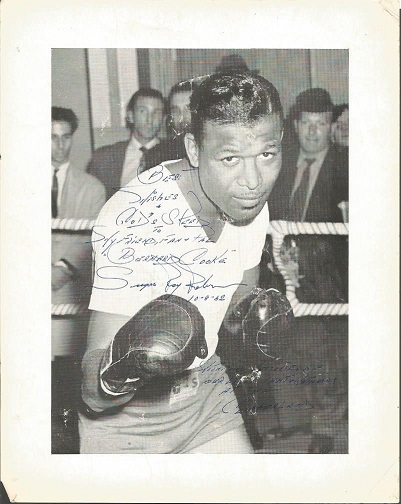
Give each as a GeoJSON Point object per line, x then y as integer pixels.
{"type": "Point", "coordinates": [240, 98]}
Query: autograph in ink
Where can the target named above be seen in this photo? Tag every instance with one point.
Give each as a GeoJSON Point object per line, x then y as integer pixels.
{"type": "Point", "coordinates": [152, 212]}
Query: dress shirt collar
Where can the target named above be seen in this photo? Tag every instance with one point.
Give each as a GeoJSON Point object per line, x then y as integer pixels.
{"type": "Point", "coordinates": [62, 170]}
{"type": "Point", "coordinates": [135, 145]}
{"type": "Point", "coordinates": [318, 157]}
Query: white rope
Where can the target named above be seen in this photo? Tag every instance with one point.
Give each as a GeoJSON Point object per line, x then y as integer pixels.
{"type": "Point", "coordinates": [280, 227]}
{"type": "Point", "coordinates": [318, 309]}
{"type": "Point", "coordinates": [72, 224]}
{"type": "Point", "coordinates": [69, 309]}
{"type": "Point", "coordinates": [294, 228]}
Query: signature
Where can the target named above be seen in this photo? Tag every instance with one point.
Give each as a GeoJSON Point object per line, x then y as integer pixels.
{"type": "Point", "coordinates": [231, 407]}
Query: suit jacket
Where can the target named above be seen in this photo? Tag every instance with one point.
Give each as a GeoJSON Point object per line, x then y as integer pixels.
{"type": "Point", "coordinates": [107, 165]}
{"type": "Point", "coordinates": [322, 260]}
{"type": "Point", "coordinates": [107, 162]}
{"type": "Point", "coordinates": [166, 150]}
{"type": "Point", "coordinates": [330, 189]}
{"type": "Point", "coordinates": [83, 196]}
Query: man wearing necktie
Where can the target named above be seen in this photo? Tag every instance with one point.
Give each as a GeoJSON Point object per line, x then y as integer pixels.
{"type": "Point", "coordinates": [74, 194]}
{"type": "Point", "coordinates": [298, 202]}
{"type": "Point", "coordinates": [312, 183]}
{"type": "Point", "coordinates": [314, 177]}
{"type": "Point", "coordinates": [117, 164]}
{"type": "Point", "coordinates": [78, 195]}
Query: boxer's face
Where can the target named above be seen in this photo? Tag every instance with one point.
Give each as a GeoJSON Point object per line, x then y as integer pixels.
{"type": "Point", "coordinates": [239, 164]}
{"type": "Point", "coordinates": [61, 142]}
{"type": "Point", "coordinates": [314, 131]}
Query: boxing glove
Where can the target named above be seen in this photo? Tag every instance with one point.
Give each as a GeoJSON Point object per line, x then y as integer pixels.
{"type": "Point", "coordinates": [162, 339]}
{"type": "Point", "coordinates": [258, 328]}
{"type": "Point", "coordinates": [266, 328]}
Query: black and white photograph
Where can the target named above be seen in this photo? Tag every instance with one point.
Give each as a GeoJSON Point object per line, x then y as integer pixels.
{"type": "Point", "coordinates": [209, 265]}
{"type": "Point", "coordinates": [216, 271]}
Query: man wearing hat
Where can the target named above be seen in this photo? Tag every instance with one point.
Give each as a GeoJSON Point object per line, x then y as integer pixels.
{"type": "Point", "coordinates": [314, 177]}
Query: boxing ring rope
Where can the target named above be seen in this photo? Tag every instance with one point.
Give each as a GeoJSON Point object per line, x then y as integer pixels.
{"type": "Point", "coordinates": [72, 224]}
{"type": "Point", "coordinates": [69, 309]}
{"type": "Point", "coordinates": [277, 229]}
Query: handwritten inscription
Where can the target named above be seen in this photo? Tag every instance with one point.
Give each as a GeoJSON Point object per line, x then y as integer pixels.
{"type": "Point", "coordinates": [134, 216]}
{"type": "Point", "coordinates": [213, 373]}
{"type": "Point", "coordinates": [155, 239]}
{"type": "Point", "coordinates": [233, 408]}
{"type": "Point", "coordinates": [215, 366]}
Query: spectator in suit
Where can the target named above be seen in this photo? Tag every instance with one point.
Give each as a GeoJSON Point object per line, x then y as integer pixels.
{"type": "Point", "coordinates": [314, 177]}
{"type": "Point", "coordinates": [75, 194]}
{"type": "Point", "coordinates": [312, 183]}
{"type": "Point", "coordinates": [178, 123]}
{"type": "Point", "coordinates": [115, 165]}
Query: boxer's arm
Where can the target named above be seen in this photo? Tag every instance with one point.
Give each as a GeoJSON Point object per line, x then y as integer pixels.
{"type": "Point", "coordinates": [163, 338]}
{"type": "Point", "coordinates": [102, 329]}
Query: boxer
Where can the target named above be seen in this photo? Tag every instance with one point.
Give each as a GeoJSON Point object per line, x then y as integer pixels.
{"type": "Point", "coordinates": [192, 230]}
